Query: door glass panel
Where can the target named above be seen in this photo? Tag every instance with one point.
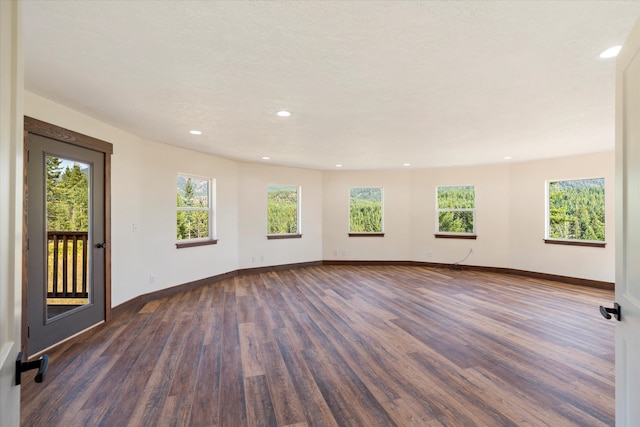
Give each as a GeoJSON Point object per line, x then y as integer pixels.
{"type": "Point", "coordinates": [68, 285]}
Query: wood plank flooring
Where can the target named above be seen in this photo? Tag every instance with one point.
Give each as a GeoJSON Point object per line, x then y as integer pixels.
{"type": "Point", "coordinates": [342, 346]}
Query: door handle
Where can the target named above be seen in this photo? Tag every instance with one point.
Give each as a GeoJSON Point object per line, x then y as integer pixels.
{"type": "Point", "coordinates": [607, 312]}
{"type": "Point", "coordinates": [101, 245]}
{"type": "Point", "coordinates": [39, 364]}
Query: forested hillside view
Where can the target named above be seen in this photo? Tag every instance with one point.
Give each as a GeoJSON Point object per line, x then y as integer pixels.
{"type": "Point", "coordinates": [67, 196]}
{"type": "Point", "coordinates": [365, 210]}
{"type": "Point", "coordinates": [576, 209]}
{"type": "Point", "coordinates": [450, 200]}
{"type": "Point", "coordinates": [193, 208]}
{"type": "Point", "coordinates": [67, 204]}
{"type": "Point", "coordinates": [282, 209]}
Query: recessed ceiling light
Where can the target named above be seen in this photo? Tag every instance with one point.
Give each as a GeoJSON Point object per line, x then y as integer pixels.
{"type": "Point", "coordinates": [195, 132]}
{"type": "Point", "coordinates": [507, 157]}
{"type": "Point", "coordinates": [612, 52]}
{"type": "Point", "coordinates": [283, 113]}
{"type": "Point", "coordinates": [406, 164]}
{"type": "Point", "coordinates": [338, 166]}
{"type": "Point", "coordinates": [266, 157]}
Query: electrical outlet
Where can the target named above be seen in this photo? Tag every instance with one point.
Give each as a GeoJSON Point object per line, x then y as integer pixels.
{"type": "Point", "coordinates": [134, 228]}
{"type": "Point", "coordinates": [152, 280]}
{"type": "Point", "coordinates": [429, 254]}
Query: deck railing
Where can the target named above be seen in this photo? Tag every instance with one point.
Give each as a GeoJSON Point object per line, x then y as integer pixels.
{"type": "Point", "coordinates": [68, 264]}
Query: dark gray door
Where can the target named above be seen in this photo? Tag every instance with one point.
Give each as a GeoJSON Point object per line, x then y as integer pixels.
{"type": "Point", "coordinates": [65, 232]}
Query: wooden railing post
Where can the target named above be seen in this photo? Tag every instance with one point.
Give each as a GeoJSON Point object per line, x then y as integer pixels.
{"type": "Point", "coordinates": [61, 285]}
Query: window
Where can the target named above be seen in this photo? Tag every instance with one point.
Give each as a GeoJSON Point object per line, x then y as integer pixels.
{"type": "Point", "coordinates": [456, 207]}
{"type": "Point", "coordinates": [283, 210]}
{"type": "Point", "coordinates": [365, 210]}
{"type": "Point", "coordinates": [194, 209]}
{"type": "Point", "coordinates": [575, 210]}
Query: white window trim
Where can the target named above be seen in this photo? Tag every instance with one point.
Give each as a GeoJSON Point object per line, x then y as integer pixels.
{"type": "Point", "coordinates": [211, 225]}
{"type": "Point", "coordinates": [474, 209]}
{"type": "Point", "coordinates": [298, 210]}
{"type": "Point", "coordinates": [547, 216]}
{"type": "Point", "coordinates": [381, 219]}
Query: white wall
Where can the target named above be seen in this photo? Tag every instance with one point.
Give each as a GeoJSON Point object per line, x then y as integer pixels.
{"type": "Point", "coordinates": [510, 213]}
{"type": "Point", "coordinates": [510, 217]}
{"type": "Point", "coordinates": [396, 243]}
{"type": "Point", "coordinates": [527, 251]}
{"type": "Point", "coordinates": [143, 193]}
{"type": "Point", "coordinates": [255, 249]}
{"type": "Point", "coordinates": [492, 216]}
{"type": "Point", "coordinates": [155, 217]}
{"type": "Point", "coordinates": [510, 209]}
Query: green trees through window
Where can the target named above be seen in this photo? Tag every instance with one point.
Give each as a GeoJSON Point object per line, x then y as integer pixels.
{"type": "Point", "coordinates": [67, 195]}
{"type": "Point", "coordinates": [67, 212]}
{"type": "Point", "coordinates": [282, 209]}
{"type": "Point", "coordinates": [456, 209]}
{"type": "Point", "coordinates": [193, 203]}
{"type": "Point", "coordinates": [576, 210]}
{"type": "Point", "coordinates": [365, 210]}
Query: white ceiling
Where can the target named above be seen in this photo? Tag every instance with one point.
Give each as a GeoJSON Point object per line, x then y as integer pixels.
{"type": "Point", "coordinates": [370, 84]}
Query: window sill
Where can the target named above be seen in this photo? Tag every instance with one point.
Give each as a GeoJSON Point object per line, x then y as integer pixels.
{"type": "Point", "coordinates": [456, 236]}
{"type": "Point", "coordinates": [183, 245]}
{"type": "Point", "coordinates": [575, 243]}
{"type": "Point", "coordinates": [366, 234]}
{"type": "Point", "coordinates": [283, 236]}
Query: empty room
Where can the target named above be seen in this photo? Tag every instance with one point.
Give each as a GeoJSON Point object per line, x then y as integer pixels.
{"type": "Point", "coordinates": [320, 213]}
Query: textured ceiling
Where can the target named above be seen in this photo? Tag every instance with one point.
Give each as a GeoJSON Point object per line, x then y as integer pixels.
{"type": "Point", "coordinates": [371, 85]}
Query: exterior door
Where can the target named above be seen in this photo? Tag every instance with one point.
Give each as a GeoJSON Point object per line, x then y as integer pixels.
{"type": "Point", "coordinates": [11, 173]}
{"type": "Point", "coordinates": [628, 230]}
{"type": "Point", "coordinates": [66, 241]}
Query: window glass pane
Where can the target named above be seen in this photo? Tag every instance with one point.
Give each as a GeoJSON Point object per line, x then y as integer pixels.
{"type": "Point", "coordinates": [282, 209]}
{"type": "Point", "coordinates": [193, 224]}
{"type": "Point", "coordinates": [455, 221]}
{"type": "Point", "coordinates": [365, 208]}
{"type": "Point", "coordinates": [193, 192]}
{"type": "Point", "coordinates": [193, 207]}
{"type": "Point", "coordinates": [461, 197]}
{"type": "Point", "coordinates": [576, 209]}
{"type": "Point", "coordinates": [68, 258]}
{"type": "Point", "coordinates": [456, 209]}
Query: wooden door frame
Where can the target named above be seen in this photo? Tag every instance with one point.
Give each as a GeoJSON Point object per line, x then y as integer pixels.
{"type": "Point", "coordinates": [47, 130]}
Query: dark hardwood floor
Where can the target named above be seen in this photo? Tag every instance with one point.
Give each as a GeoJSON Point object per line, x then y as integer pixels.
{"type": "Point", "coordinates": [342, 346]}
